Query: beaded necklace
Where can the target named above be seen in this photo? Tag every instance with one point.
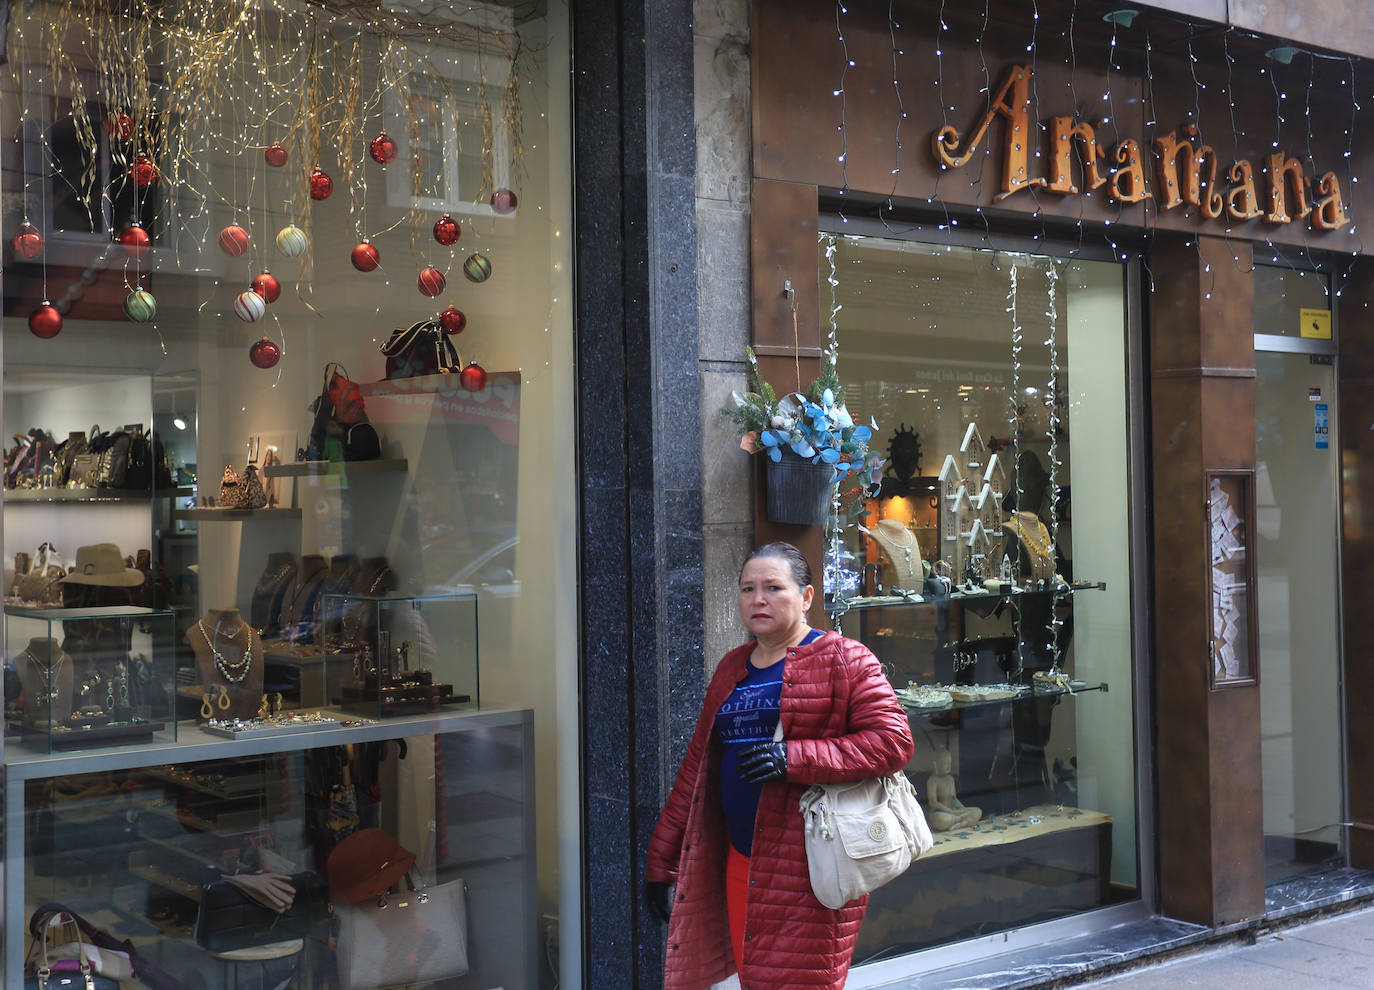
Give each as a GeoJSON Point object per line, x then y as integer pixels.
{"type": "Point", "coordinates": [233, 671]}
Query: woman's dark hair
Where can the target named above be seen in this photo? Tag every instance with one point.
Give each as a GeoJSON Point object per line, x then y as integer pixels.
{"type": "Point", "coordinates": [788, 554]}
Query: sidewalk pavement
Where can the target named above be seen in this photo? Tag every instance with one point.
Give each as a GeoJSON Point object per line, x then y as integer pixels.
{"type": "Point", "coordinates": [1331, 954]}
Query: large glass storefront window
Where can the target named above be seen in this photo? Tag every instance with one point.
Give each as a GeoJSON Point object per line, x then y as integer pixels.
{"type": "Point", "coordinates": [991, 573]}
{"type": "Point", "coordinates": [288, 499]}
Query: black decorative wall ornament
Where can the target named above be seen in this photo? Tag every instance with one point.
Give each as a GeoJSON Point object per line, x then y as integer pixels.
{"type": "Point", "coordinates": [903, 461]}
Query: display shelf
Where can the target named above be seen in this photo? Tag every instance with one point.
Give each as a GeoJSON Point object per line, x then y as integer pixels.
{"type": "Point", "coordinates": [217, 514]}
{"type": "Point", "coordinates": [1006, 829]}
{"type": "Point", "coordinates": [194, 743]}
{"type": "Point", "coordinates": [86, 496]}
{"type": "Point", "coordinates": [433, 383]}
{"type": "Point", "coordinates": [1028, 693]}
{"type": "Point", "coordinates": [958, 597]}
{"type": "Point", "coordinates": [141, 866]}
{"type": "Point", "coordinates": [311, 469]}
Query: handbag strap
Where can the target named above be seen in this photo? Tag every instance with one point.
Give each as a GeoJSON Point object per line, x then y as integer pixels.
{"type": "Point", "coordinates": [60, 920]}
{"type": "Point", "coordinates": [450, 360]}
{"type": "Point", "coordinates": [402, 338]}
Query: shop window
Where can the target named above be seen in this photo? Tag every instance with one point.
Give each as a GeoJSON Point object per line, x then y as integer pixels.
{"type": "Point", "coordinates": [289, 497]}
{"type": "Point", "coordinates": [990, 573]}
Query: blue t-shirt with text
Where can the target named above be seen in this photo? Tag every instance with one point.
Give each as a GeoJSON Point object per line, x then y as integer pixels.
{"type": "Point", "coordinates": [748, 716]}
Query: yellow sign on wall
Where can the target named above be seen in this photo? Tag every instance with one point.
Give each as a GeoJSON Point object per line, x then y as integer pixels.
{"type": "Point", "coordinates": [1316, 323]}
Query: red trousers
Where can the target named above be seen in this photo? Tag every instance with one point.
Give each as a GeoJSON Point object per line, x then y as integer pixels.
{"type": "Point", "coordinates": [736, 895]}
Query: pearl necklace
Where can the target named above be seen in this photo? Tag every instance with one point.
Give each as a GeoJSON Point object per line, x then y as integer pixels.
{"type": "Point", "coordinates": [233, 671]}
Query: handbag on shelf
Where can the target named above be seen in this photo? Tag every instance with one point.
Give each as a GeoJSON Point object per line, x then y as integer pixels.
{"type": "Point", "coordinates": [43, 580]}
{"type": "Point", "coordinates": [253, 495]}
{"type": "Point", "coordinates": [340, 430]}
{"type": "Point", "coordinates": [84, 471]}
{"type": "Point", "coordinates": [414, 936]}
{"type": "Point", "coordinates": [67, 452]}
{"type": "Point", "coordinates": [114, 459]}
{"type": "Point", "coordinates": [70, 963]}
{"type": "Point", "coordinates": [421, 349]}
{"type": "Point", "coordinates": [53, 915]}
{"type": "Point", "coordinates": [229, 918]}
{"type": "Point", "coordinates": [860, 835]}
{"type": "Point", "coordinates": [231, 491]}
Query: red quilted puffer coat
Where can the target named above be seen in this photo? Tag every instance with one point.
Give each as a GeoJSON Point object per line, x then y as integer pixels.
{"type": "Point", "coordinates": [841, 722]}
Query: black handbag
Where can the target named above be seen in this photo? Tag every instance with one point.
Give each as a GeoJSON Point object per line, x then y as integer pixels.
{"type": "Point", "coordinates": [421, 349]}
{"type": "Point", "coordinates": [340, 430]}
{"type": "Point", "coordinates": [229, 919]}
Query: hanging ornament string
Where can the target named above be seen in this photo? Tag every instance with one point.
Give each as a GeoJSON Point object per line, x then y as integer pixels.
{"type": "Point", "coordinates": [1017, 414]}
{"type": "Point", "coordinates": [835, 546]}
{"type": "Point", "coordinates": [1052, 406]}
{"type": "Point", "coordinates": [844, 138]}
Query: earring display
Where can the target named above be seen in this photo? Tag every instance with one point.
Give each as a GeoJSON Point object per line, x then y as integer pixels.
{"type": "Point", "coordinates": [400, 655]}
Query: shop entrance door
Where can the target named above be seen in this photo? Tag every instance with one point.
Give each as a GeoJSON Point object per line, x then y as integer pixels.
{"type": "Point", "coordinates": [1297, 459]}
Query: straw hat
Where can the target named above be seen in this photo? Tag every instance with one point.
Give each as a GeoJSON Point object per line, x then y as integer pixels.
{"type": "Point", "coordinates": [103, 564]}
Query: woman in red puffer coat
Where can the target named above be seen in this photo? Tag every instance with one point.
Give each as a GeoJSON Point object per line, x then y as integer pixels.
{"type": "Point", "coordinates": [730, 837]}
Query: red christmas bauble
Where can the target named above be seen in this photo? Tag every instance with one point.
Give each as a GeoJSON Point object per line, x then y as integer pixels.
{"type": "Point", "coordinates": [119, 126]}
{"type": "Point", "coordinates": [233, 241]}
{"type": "Point", "coordinates": [135, 241]}
{"type": "Point", "coordinates": [382, 149]}
{"type": "Point", "coordinates": [473, 377]}
{"type": "Point", "coordinates": [264, 353]}
{"type": "Point", "coordinates": [144, 171]}
{"type": "Point", "coordinates": [321, 185]}
{"type": "Point", "coordinates": [45, 321]}
{"type": "Point", "coordinates": [446, 230]}
{"type": "Point", "coordinates": [431, 281]}
{"type": "Point", "coordinates": [503, 201]}
{"type": "Point", "coordinates": [452, 320]}
{"type": "Point", "coordinates": [275, 154]}
{"type": "Point", "coordinates": [267, 286]}
{"type": "Point", "coordinates": [28, 243]}
{"type": "Point", "coordinates": [366, 257]}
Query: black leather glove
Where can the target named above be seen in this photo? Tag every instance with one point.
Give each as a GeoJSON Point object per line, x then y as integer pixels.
{"type": "Point", "coordinates": [763, 761]}
{"type": "Point", "coordinates": [658, 897]}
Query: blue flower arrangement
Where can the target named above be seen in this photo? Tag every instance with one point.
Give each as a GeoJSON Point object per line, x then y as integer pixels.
{"type": "Point", "coordinates": [813, 425]}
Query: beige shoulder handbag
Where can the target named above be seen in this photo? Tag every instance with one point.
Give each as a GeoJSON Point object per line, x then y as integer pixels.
{"type": "Point", "coordinates": [860, 835]}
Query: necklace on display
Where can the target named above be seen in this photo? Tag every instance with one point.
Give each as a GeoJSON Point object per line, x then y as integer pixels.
{"type": "Point", "coordinates": [1040, 549]}
{"type": "Point", "coordinates": [48, 675]}
{"type": "Point", "coordinates": [233, 671]}
{"type": "Point", "coordinates": [891, 542]}
{"type": "Point", "coordinates": [378, 582]}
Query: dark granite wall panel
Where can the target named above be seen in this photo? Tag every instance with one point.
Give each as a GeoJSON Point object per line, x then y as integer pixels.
{"type": "Point", "coordinates": [640, 496]}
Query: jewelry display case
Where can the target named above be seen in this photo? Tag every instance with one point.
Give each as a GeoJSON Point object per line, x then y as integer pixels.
{"type": "Point", "coordinates": [392, 655]}
{"type": "Point", "coordinates": [88, 678]}
{"type": "Point", "coordinates": [994, 707]}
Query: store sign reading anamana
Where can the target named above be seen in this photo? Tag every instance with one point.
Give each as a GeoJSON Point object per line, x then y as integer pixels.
{"type": "Point", "coordinates": [1185, 170]}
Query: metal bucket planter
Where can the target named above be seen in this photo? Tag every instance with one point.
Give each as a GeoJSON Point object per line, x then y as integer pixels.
{"type": "Point", "coordinates": [799, 492]}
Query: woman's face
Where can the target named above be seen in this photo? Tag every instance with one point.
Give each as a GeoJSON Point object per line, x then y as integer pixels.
{"type": "Point", "coordinates": [770, 603]}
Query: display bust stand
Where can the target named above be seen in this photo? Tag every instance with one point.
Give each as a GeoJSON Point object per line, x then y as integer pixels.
{"type": "Point", "coordinates": [229, 659]}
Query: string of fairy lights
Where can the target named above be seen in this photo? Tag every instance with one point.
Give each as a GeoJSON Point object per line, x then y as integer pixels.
{"type": "Point", "coordinates": [1126, 235]}
{"type": "Point", "coordinates": [181, 118]}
